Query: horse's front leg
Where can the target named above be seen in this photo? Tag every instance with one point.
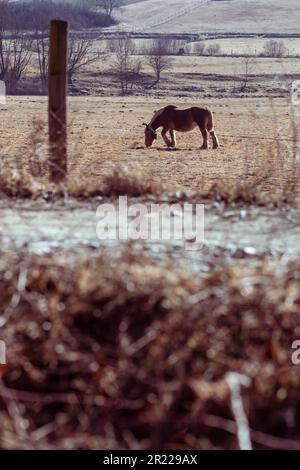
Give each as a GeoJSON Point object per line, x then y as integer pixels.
{"type": "Point", "coordinates": [164, 136]}
{"type": "Point", "coordinates": [173, 138]}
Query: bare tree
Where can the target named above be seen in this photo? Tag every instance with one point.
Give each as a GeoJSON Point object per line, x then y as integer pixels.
{"type": "Point", "coordinates": [126, 68]}
{"type": "Point", "coordinates": [42, 50]}
{"type": "Point", "coordinates": [109, 6]}
{"type": "Point", "coordinates": [4, 62]}
{"type": "Point", "coordinates": [213, 49]}
{"type": "Point", "coordinates": [199, 48]}
{"type": "Point", "coordinates": [248, 63]}
{"type": "Point", "coordinates": [81, 54]}
{"type": "Point", "coordinates": [20, 52]}
{"type": "Point", "coordinates": [274, 49]}
{"type": "Point", "coordinates": [15, 48]}
{"type": "Point", "coordinates": [159, 58]}
{"type": "Point", "coordinates": [41, 45]}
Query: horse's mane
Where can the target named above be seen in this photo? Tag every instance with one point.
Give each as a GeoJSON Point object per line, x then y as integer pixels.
{"type": "Point", "coordinates": [171, 107]}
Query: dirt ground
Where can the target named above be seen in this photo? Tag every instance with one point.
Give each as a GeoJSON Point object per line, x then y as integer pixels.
{"type": "Point", "coordinates": [258, 141]}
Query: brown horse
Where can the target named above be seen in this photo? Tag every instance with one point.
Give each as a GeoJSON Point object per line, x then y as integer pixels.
{"type": "Point", "coordinates": [172, 119]}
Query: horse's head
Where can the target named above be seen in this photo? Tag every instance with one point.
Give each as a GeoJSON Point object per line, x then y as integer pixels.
{"type": "Point", "coordinates": [150, 135]}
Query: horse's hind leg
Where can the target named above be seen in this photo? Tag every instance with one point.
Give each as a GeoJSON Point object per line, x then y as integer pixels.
{"type": "Point", "coordinates": [215, 140]}
{"type": "Point", "coordinates": [173, 138]}
{"type": "Point", "coordinates": [204, 133]}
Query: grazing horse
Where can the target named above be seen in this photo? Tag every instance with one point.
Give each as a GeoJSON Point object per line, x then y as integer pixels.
{"type": "Point", "coordinates": [172, 119]}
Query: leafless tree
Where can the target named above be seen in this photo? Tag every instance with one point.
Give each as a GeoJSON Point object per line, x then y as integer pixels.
{"type": "Point", "coordinates": [109, 6]}
{"type": "Point", "coordinates": [15, 48]}
{"type": "Point", "coordinates": [274, 49]}
{"type": "Point", "coordinates": [159, 58]}
{"type": "Point", "coordinates": [42, 50]}
{"type": "Point", "coordinates": [4, 62]}
{"type": "Point", "coordinates": [41, 45]}
{"type": "Point", "coordinates": [81, 54]}
{"type": "Point", "coordinates": [248, 64]}
{"type": "Point", "coordinates": [213, 49]}
{"type": "Point", "coordinates": [20, 52]}
{"type": "Point", "coordinates": [126, 68]}
{"type": "Point", "coordinates": [199, 47]}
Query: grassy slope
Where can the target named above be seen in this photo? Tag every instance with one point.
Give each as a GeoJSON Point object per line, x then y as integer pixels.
{"type": "Point", "coordinates": [231, 15]}
{"type": "Point", "coordinates": [129, 2]}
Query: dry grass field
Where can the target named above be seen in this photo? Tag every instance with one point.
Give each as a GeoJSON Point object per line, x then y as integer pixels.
{"type": "Point", "coordinates": [257, 138]}
{"type": "Point", "coordinates": [257, 127]}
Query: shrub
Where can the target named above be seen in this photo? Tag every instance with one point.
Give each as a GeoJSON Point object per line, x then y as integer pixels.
{"type": "Point", "coordinates": [122, 181]}
{"type": "Point", "coordinates": [199, 48]}
{"type": "Point", "coordinates": [213, 49]}
{"type": "Point", "coordinates": [274, 49]}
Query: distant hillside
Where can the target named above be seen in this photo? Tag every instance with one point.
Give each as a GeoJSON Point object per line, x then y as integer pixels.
{"type": "Point", "coordinates": [261, 16]}
{"type": "Point", "coordinates": [128, 2]}
{"type": "Point", "coordinates": [31, 15]}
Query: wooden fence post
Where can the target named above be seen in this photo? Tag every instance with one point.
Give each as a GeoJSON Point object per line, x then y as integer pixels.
{"type": "Point", "coordinates": [57, 106]}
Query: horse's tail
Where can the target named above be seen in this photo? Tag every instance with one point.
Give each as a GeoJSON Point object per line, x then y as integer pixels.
{"type": "Point", "coordinates": [210, 121]}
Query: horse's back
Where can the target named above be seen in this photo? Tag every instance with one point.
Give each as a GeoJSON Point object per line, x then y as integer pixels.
{"type": "Point", "coordinates": [200, 113]}
{"type": "Point", "coordinates": [181, 119]}
{"type": "Point", "coordinates": [200, 110]}
{"type": "Point", "coordinates": [194, 111]}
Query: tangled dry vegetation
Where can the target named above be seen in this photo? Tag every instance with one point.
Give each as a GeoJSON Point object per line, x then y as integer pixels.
{"type": "Point", "coordinates": [122, 181]}
{"type": "Point", "coordinates": [119, 351]}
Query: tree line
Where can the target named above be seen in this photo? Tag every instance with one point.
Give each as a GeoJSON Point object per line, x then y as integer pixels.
{"type": "Point", "coordinates": [24, 36]}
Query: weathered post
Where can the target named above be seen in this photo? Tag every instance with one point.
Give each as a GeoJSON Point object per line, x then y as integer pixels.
{"type": "Point", "coordinates": [57, 107]}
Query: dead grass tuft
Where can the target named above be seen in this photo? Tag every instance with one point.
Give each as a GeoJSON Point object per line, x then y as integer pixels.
{"type": "Point", "coordinates": [19, 183]}
{"type": "Point", "coordinates": [231, 192]}
{"type": "Point", "coordinates": [122, 181]}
